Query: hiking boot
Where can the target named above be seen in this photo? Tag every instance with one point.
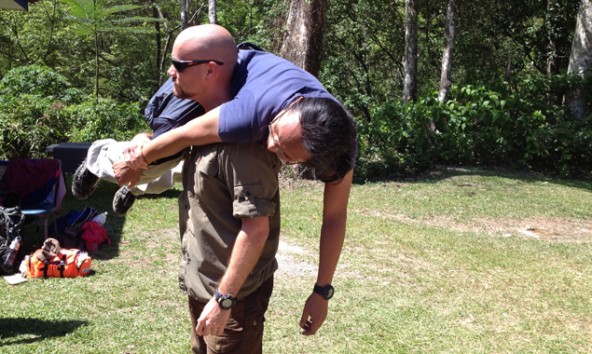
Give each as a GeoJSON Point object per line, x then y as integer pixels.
{"type": "Point", "coordinates": [123, 201]}
{"type": "Point", "coordinates": [84, 182]}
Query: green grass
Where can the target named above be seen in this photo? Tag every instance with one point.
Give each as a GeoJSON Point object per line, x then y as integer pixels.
{"type": "Point", "coordinates": [462, 261]}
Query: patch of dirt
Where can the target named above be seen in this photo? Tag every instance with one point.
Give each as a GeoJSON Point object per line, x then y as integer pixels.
{"type": "Point", "coordinates": [549, 229]}
{"type": "Point", "coordinates": [289, 265]}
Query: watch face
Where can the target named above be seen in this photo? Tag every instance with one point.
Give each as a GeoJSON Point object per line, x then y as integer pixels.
{"type": "Point", "coordinates": [226, 303]}
{"type": "Point", "coordinates": [326, 292]}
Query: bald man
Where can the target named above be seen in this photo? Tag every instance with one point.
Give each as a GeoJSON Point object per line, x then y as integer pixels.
{"type": "Point", "coordinates": [287, 109]}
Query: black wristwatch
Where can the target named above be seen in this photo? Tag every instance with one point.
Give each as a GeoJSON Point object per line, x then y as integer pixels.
{"type": "Point", "coordinates": [225, 301]}
{"type": "Point", "coordinates": [326, 291]}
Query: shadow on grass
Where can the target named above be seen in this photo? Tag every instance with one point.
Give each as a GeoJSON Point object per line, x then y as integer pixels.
{"type": "Point", "coordinates": [33, 329]}
{"type": "Point", "coordinates": [171, 193]}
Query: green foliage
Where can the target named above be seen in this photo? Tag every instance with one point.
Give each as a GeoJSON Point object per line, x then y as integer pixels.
{"type": "Point", "coordinates": [34, 36]}
{"type": "Point", "coordinates": [30, 123]}
{"type": "Point", "coordinates": [480, 126]}
{"type": "Point", "coordinates": [253, 21]}
{"type": "Point", "coordinates": [363, 47]}
{"type": "Point", "coordinates": [39, 108]}
{"type": "Point", "coordinates": [33, 80]}
{"type": "Point", "coordinates": [91, 18]}
{"type": "Point", "coordinates": [105, 118]}
{"type": "Point", "coordinates": [365, 44]}
{"type": "Point", "coordinates": [476, 126]}
{"type": "Point", "coordinates": [517, 121]}
{"type": "Point", "coordinates": [32, 102]}
{"type": "Point", "coordinates": [562, 147]}
{"type": "Point", "coordinates": [396, 142]}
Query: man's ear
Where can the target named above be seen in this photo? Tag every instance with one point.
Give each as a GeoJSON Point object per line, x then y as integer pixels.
{"type": "Point", "coordinates": [210, 71]}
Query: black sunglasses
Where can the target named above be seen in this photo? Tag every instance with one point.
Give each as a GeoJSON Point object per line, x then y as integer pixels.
{"type": "Point", "coordinates": [181, 65]}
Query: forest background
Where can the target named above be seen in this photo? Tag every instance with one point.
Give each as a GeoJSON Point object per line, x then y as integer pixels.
{"type": "Point", "coordinates": [430, 83]}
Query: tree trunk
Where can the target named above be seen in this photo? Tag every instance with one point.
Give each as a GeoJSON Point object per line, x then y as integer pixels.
{"type": "Point", "coordinates": [184, 14]}
{"type": "Point", "coordinates": [410, 61]}
{"type": "Point", "coordinates": [158, 39]}
{"type": "Point", "coordinates": [446, 75]}
{"type": "Point", "coordinates": [212, 11]}
{"type": "Point", "coordinates": [96, 66]}
{"type": "Point", "coordinates": [303, 40]}
{"type": "Point", "coordinates": [580, 60]}
{"type": "Point", "coordinates": [551, 38]}
{"type": "Point", "coordinates": [52, 16]}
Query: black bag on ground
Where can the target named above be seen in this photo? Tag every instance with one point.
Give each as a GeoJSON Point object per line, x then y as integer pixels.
{"type": "Point", "coordinates": [66, 229]}
{"type": "Point", "coordinates": [11, 222]}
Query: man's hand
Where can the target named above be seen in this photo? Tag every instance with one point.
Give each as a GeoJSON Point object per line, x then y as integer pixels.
{"type": "Point", "coordinates": [133, 156]}
{"type": "Point", "coordinates": [125, 176]}
{"type": "Point", "coordinates": [314, 314]}
{"type": "Point", "coordinates": [212, 320]}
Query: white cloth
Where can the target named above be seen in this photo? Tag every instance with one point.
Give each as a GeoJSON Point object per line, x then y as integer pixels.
{"type": "Point", "coordinates": [102, 154]}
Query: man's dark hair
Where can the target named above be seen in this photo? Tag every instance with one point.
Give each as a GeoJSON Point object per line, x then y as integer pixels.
{"type": "Point", "coordinates": [329, 134]}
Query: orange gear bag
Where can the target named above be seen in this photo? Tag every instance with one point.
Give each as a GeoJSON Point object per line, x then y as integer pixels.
{"type": "Point", "coordinates": [68, 263]}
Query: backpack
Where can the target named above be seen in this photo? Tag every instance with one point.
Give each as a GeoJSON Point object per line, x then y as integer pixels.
{"type": "Point", "coordinates": [67, 228]}
{"type": "Point", "coordinates": [11, 222]}
{"type": "Point", "coordinates": [68, 263]}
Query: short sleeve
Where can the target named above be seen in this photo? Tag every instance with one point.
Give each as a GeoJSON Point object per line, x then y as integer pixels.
{"type": "Point", "coordinates": [252, 176]}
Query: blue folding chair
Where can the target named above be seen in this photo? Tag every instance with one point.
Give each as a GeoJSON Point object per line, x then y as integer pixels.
{"type": "Point", "coordinates": [37, 186]}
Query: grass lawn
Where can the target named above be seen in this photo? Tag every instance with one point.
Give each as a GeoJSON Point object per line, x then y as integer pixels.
{"type": "Point", "coordinates": [462, 261]}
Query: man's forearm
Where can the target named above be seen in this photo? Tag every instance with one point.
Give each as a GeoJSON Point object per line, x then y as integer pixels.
{"type": "Point", "coordinates": [245, 254]}
{"type": "Point", "coordinates": [331, 244]}
{"type": "Point", "coordinates": [202, 130]}
{"type": "Point", "coordinates": [335, 202]}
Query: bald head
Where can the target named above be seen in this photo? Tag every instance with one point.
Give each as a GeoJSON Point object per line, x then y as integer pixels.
{"type": "Point", "coordinates": [206, 42]}
{"type": "Point", "coordinates": [213, 52]}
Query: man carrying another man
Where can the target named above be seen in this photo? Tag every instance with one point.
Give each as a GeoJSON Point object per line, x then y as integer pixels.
{"type": "Point", "coordinates": [274, 103]}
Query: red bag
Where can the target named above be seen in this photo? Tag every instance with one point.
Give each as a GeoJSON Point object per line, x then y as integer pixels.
{"type": "Point", "coordinates": [94, 235]}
